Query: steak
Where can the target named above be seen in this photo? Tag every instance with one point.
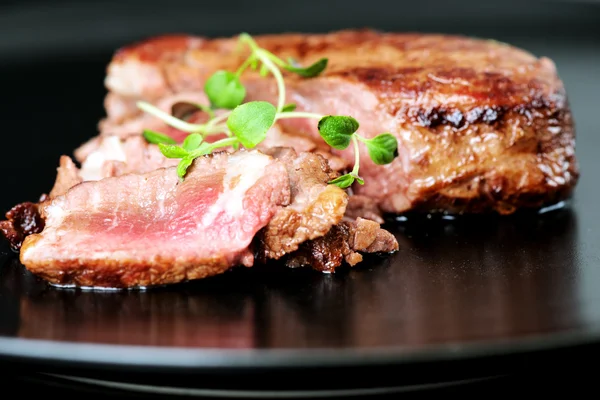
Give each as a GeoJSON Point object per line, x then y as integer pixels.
{"type": "Point", "coordinates": [147, 229]}
{"type": "Point", "coordinates": [482, 126]}
{"type": "Point", "coordinates": [151, 229]}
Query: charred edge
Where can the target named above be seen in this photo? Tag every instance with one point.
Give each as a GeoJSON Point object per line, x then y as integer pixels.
{"type": "Point", "coordinates": [490, 115]}
{"type": "Point", "coordinates": [323, 254]}
{"type": "Point", "coordinates": [21, 221]}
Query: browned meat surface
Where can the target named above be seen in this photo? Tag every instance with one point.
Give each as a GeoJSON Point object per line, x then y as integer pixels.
{"type": "Point", "coordinates": [315, 207]}
{"type": "Point", "coordinates": [150, 229]}
{"type": "Point", "coordinates": [21, 221]}
{"type": "Point", "coordinates": [343, 243]}
{"type": "Point", "coordinates": [360, 206]}
{"type": "Point", "coordinates": [316, 228]}
{"type": "Point", "coordinates": [482, 126]}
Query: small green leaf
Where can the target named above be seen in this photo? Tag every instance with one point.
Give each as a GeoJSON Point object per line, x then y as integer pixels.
{"type": "Point", "coordinates": [308, 72]}
{"type": "Point", "coordinates": [157, 137]}
{"type": "Point", "coordinates": [337, 130]}
{"type": "Point", "coordinates": [192, 142]}
{"type": "Point", "coordinates": [184, 165]}
{"type": "Point", "coordinates": [288, 107]}
{"type": "Point", "coordinates": [203, 149]}
{"type": "Point", "coordinates": [382, 148]}
{"type": "Point", "coordinates": [172, 151]}
{"type": "Point", "coordinates": [358, 179]}
{"type": "Point", "coordinates": [343, 181]}
{"type": "Point", "coordinates": [251, 121]}
{"type": "Point", "coordinates": [224, 90]}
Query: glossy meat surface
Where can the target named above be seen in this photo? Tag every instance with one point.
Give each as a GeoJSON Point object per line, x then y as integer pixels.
{"type": "Point", "coordinates": [482, 126]}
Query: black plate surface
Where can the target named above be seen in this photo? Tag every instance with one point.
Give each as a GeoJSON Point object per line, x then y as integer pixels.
{"type": "Point", "coordinates": [458, 289]}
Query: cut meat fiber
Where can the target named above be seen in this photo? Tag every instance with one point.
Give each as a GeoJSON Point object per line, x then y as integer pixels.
{"type": "Point", "coordinates": [148, 229]}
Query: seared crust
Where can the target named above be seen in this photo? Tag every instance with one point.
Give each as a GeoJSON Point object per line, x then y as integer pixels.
{"type": "Point", "coordinates": [126, 273]}
{"type": "Point", "coordinates": [482, 126]}
{"type": "Point", "coordinates": [437, 72]}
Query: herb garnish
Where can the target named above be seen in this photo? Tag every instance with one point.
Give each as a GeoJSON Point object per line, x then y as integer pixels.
{"type": "Point", "coordinates": [247, 124]}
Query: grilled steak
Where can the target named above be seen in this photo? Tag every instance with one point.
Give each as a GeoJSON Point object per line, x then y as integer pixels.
{"type": "Point", "coordinates": [482, 126]}
{"type": "Point", "coordinates": [149, 229]}
{"type": "Point", "coordinates": [143, 229]}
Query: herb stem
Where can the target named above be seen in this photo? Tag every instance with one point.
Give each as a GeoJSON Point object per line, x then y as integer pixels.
{"type": "Point", "coordinates": [223, 143]}
{"type": "Point", "coordinates": [264, 57]}
{"type": "Point", "coordinates": [275, 59]}
{"type": "Point", "coordinates": [297, 114]}
{"type": "Point", "coordinates": [245, 65]}
{"type": "Point", "coordinates": [213, 122]}
{"type": "Point", "coordinates": [356, 155]}
{"type": "Point", "coordinates": [169, 119]}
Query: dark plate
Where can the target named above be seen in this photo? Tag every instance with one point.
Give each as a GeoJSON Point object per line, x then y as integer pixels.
{"type": "Point", "coordinates": [488, 292]}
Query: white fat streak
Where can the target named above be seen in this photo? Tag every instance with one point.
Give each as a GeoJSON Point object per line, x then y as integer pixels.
{"type": "Point", "coordinates": [249, 167]}
{"type": "Point", "coordinates": [111, 149]}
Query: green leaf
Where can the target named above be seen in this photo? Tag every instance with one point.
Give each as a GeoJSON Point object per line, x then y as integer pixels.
{"type": "Point", "coordinates": [343, 181]}
{"type": "Point", "coordinates": [192, 142]}
{"type": "Point", "coordinates": [157, 137]}
{"type": "Point", "coordinates": [337, 130]}
{"type": "Point", "coordinates": [224, 90]}
{"type": "Point", "coordinates": [358, 179]}
{"type": "Point", "coordinates": [184, 165]}
{"type": "Point", "coordinates": [251, 121]}
{"type": "Point", "coordinates": [308, 72]}
{"type": "Point", "coordinates": [172, 151]}
{"type": "Point", "coordinates": [288, 107]}
{"type": "Point", "coordinates": [382, 148]}
{"type": "Point", "coordinates": [203, 149]}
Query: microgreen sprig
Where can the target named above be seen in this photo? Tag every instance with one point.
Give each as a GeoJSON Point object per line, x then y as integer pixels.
{"type": "Point", "coordinates": [247, 124]}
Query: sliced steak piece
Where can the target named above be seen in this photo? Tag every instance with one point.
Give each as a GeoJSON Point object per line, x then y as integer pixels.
{"type": "Point", "coordinates": [482, 126]}
{"type": "Point", "coordinates": [343, 243]}
{"type": "Point", "coordinates": [109, 156]}
{"type": "Point", "coordinates": [151, 229]}
{"type": "Point", "coordinates": [315, 229]}
{"type": "Point", "coordinates": [105, 156]}
{"type": "Point", "coordinates": [68, 175]}
{"type": "Point", "coordinates": [315, 207]}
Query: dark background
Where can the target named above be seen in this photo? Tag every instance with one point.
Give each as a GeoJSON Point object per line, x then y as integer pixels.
{"type": "Point", "coordinates": [53, 55]}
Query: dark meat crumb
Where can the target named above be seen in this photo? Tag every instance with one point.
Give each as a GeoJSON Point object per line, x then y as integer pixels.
{"type": "Point", "coordinates": [21, 221]}
{"type": "Point", "coordinates": [343, 243]}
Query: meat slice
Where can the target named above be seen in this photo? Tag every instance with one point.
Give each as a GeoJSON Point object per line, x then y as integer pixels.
{"type": "Point", "coordinates": [109, 156]}
{"type": "Point", "coordinates": [151, 229]}
{"type": "Point", "coordinates": [102, 157]}
{"type": "Point", "coordinates": [315, 207]}
{"type": "Point", "coordinates": [482, 126]}
{"type": "Point", "coordinates": [315, 230]}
